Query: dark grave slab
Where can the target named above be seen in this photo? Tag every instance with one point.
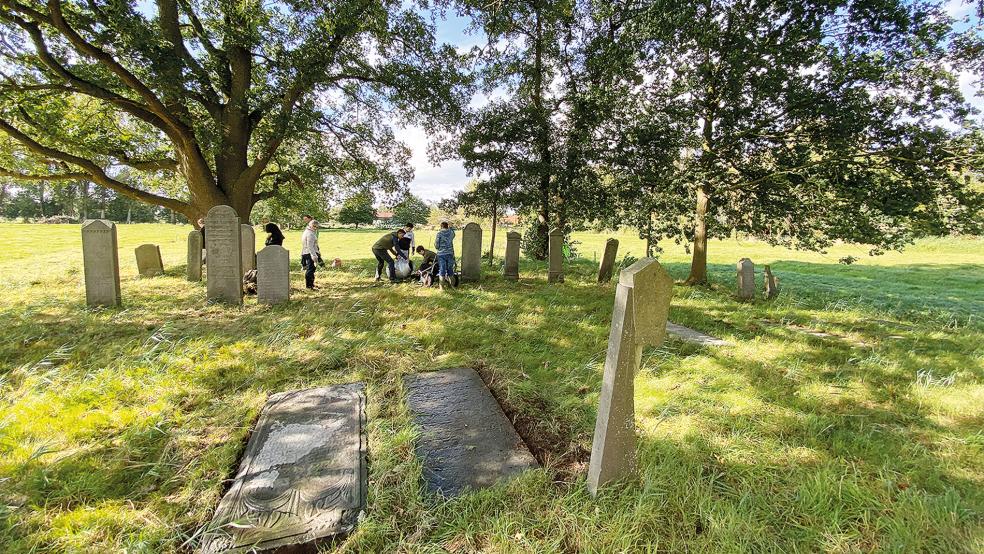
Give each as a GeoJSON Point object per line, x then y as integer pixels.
{"type": "Point", "coordinates": [302, 477]}
{"type": "Point", "coordinates": [466, 441]}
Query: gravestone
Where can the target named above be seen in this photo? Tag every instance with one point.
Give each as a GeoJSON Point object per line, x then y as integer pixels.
{"type": "Point", "coordinates": [556, 256]}
{"type": "Point", "coordinates": [771, 283]}
{"type": "Point", "coordinates": [303, 474]}
{"type": "Point", "coordinates": [642, 304]}
{"type": "Point", "coordinates": [225, 268]}
{"type": "Point", "coordinates": [466, 441]}
{"type": "Point", "coordinates": [195, 256]}
{"type": "Point", "coordinates": [101, 263]}
{"type": "Point", "coordinates": [746, 279]}
{"type": "Point", "coordinates": [510, 269]}
{"type": "Point", "coordinates": [471, 252]}
{"type": "Point", "coordinates": [248, 241]}
{"type": "Point", "coordinates": [149, 262]}
{"type": "Point", "coordinates": [608, 261]}
{"type": "Point", "coordinates": [273, 275]}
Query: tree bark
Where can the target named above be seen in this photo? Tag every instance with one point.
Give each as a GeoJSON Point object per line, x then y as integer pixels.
{"type": "Point", "coordinates": [698, 264]}
{"type": "Point", "coordinates": [543, 141]}
{"type": "Point", "coordinates": [495, 217]}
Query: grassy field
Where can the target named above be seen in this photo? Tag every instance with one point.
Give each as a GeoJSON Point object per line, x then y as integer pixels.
{"type": "Point", "coordinates": [119, 426]}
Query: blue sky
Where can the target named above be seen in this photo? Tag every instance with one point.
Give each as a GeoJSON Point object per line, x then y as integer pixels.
{"type": "Point", "coordinates": [433, 183]}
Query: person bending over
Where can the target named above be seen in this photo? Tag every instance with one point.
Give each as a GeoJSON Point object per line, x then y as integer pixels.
{"type": "Point", "coordinates": [276, 236]}
{"type": "Point", "coordinates": [388, 243]}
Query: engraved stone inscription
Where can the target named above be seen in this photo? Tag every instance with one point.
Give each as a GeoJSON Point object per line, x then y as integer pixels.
{"type": "Point", "coordinates": [273, 275]}
{"type": "Point", "coordinates": [303, 475]}
{"type": "Point", "coordinates": [222, 242]}
{"type": "Point", "coordinates": [101, 264]}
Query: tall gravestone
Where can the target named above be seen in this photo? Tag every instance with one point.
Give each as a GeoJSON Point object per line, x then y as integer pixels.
{"type": "Point", "coordinates": [471, 252]}
{"type": "Point", "coordinates": [642, 305]}
{"type": "Point", "coordinates": [273, 275]}
{"type": "Point", "coordinates": [195, 256]}
{"type": "Point", "coordinates": [248, 240]}
{"type": "Point", "coordinates": [510, 269]}
{"type": "Point", "coordinates": [608, 261]}
{"type": "Point", "coordinates": [149, 262]}
{"type": "Point", "coordinates": [746, 279]}
{"type": "Point", "coordinates": [225, 267]}
{"type": "Point", "coordinates": [771, 283]}
{"type": "Point", "coordinates": [555, 247]}
{"type": "Point", "coordinates": [101, 263]}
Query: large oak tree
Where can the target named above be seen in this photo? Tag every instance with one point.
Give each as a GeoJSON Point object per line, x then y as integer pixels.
{"type": "Point", "coordinates": [235, 100]}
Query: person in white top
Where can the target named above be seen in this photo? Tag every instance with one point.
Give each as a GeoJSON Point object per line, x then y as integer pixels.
{"type": "Point", "coordinates": [310, 252]}
{"type": "Point", "coordinates": [409, 235]}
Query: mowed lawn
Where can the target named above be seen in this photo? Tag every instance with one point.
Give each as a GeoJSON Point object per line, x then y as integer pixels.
{"type": "Point", "coordinates": [120, 427]}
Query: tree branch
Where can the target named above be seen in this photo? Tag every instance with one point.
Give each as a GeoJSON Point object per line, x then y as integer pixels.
{"type": "Point", "coordinates": [96, 173]}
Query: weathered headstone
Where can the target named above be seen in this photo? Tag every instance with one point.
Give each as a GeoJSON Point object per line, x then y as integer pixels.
{"type": "Point", "coordinates": [225, 268]}
{"type": "Point", "coordinates": [608, 261]}
{"type": "Point", "coordinates": [149, 262]}
{"type": "Point", "coordinates": [248, 241]}
{"type": "Point", "coordinates": [466, 441]}
{"type": "Point", "coordinates": [555, 247]}
{"type": "Point", "coordinates": [510, 269]}
{"type": "Point", "coordinates": [642, 304]}
{"type": "Point", "coordinates": [746, 279]}
{"type": "Point", "coordinates": [471, 252]}
{"type": "Point", "coordinates": [101, 263]}
{"type": "Point", "coordinates": [771, 283]}
{"type": "Point", "coordinates": [195, 256]}
{"type": "Point", "coordinates": [273, 275]}
{"type": "Point", "coordinates": [303, 474]}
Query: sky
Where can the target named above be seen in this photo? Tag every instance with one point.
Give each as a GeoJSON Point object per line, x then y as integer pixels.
{"type": "Point", "coordinates": [432, 183]}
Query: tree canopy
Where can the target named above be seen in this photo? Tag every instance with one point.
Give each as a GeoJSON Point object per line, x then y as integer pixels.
{"type": "Point", "coordinates": [238, 101]}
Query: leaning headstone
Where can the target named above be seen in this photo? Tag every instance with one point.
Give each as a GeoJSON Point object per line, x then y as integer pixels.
{"type": "Point", "coordinates": [225, 268]}
{"type": "Point", "coordinates": [248, 241]}
{"type": "Point", "coordinates": [101, 263]}
{"type": "Point", "coordinates": [510, 270]}
{"type": "Point", "coordinates": [771, 283]}
{"type": "Point", "coordinates": [746, 279]}
{"type": "Point", "coordinates": [195, 256]}
{"type": "Point", "coordinates": [149, 262]}
{"type": "Point", "coordinates": [302, 477]}
{"type": "Point", "coordinates": [556, 255]}
{"type": "Point", "coordinates": [608, 261]}
{"type": "Point", "coordinates": [471, 252]}
{"type": "Point", "coordinates": [273, 275]}
{"type": "Point", "coordinates": [642, 304]}
{"type": "Point", "coordinates": [466, 441]}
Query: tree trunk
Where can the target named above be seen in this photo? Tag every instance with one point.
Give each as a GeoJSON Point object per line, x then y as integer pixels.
{"type": "Point", "coordinates": [41, 197]}
{"type": "Point", "coordinates": [129, 213]}
{"type": "Point", "coordinates": [495, 217]}
{"type": "Point", "coordinates": [698, 264]}
{"type": "Point", "coordinates": [649, 237]}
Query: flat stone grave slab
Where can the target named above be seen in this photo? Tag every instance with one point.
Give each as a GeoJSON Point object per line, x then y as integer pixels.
{"type": "Point", "coordinates": [691, 335]}
{"type": "Point", "coordinates": [466, 441]}
{"type": "Point", "coordinates": [303, 475]}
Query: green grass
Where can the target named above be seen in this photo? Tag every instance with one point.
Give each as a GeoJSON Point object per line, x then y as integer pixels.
{"type": "Point", "coordinates": [118, 426]}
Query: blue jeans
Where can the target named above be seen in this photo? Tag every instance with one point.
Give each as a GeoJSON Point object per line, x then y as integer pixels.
{"type": "Point", "coordinates": [445, 265]}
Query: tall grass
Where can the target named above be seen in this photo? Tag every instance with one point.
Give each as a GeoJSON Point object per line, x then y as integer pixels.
{"type": "Point", "coordinates": [118, 427]}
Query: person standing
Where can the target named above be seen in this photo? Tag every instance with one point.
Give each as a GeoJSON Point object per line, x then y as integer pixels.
{"type": "Point", "coordinates": [444, 244]}
{"type": "Point", "coordinates": [390, 242]}
{"type": "Point", "coordinates": [201, 229]}
{"type": "Point", "coordinates": [408, 234]}
{"type": "Point", "coordinates": [310, 253]}
{"type": "Point", "coordinates": [275, 237]}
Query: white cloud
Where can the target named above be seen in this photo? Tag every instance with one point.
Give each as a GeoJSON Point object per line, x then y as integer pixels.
{"type": "Point", "coordinates": [430, 182]}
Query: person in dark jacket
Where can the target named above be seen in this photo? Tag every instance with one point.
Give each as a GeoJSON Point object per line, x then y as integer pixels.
{"type": "Point", "coordinates": [390, 242]}
{"type": "Point", "coordinates": [428, 267]}
{"type": "Point", "coordinates": [276, 236]}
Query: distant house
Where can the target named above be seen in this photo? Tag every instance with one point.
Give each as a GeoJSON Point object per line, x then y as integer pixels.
{"type": "Point", "coordinates": [382, 218]}
{"type": "Point", "coordinates": [509, 220]}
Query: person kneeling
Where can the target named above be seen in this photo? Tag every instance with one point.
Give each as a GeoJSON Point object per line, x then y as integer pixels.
{"type": "Point", "coordinates": [428, 267]}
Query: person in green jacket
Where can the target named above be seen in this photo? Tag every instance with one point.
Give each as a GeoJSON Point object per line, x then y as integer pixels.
{"type": "Point", "coordinates": [381, 250]}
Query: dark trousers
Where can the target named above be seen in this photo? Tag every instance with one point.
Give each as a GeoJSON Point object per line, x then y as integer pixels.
{"type": "Point", "coordinates": [383, 258]}
{"type": "Point", "coordinates": [307, 262]}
